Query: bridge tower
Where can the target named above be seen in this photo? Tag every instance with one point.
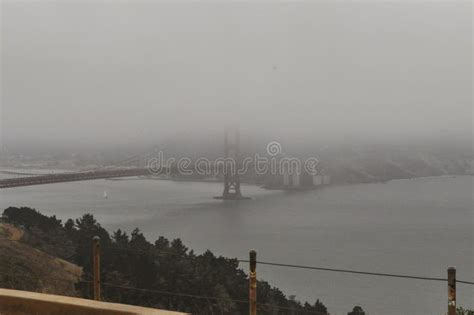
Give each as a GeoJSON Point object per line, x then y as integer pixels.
{"type": "Point", "coordinates": [231, 176]}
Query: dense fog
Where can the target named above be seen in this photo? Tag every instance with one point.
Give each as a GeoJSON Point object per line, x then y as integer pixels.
{"type": "Point", "coordinates": [123, 73]}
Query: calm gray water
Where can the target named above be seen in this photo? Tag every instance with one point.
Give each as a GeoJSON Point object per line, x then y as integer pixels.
{"type": "Point", "coordinates": [417, 227]}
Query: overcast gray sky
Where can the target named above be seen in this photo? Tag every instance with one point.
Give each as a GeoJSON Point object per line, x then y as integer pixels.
{"type": "Point", "coordinates": [110, 71]}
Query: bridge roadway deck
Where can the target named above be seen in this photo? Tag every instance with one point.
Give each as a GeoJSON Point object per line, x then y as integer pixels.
{"type": "Point", "coordinates": [71, 177]}
{"type": "Point", "coordinates": [107, 173]}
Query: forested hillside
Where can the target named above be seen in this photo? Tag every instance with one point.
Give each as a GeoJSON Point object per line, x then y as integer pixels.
{"type": "Point", "coordinates": [168, 266]}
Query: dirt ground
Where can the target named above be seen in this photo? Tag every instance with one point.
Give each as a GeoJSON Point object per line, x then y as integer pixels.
{"type": "Point", "coordinates": [26, 268]}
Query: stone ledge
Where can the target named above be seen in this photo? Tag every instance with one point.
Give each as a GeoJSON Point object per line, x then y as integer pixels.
{"type": "Point", "coordinates": [14, 302]}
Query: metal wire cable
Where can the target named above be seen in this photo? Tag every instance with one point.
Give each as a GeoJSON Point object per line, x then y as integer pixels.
{"type": "Point", "coordinates": [314, 267]}
{"type": "Point", "coordinates": [16, 276]}
{"type": "Point", "coordinates": [106, 284]}
{"type": "Point", "coordinates": [356, 272]}
{"type": "Point", "coordinates": [351, 271]}
{"type": "Point", "coordinates": [206, 297]}
{"type": "Point", "coordinates": [347, 271]}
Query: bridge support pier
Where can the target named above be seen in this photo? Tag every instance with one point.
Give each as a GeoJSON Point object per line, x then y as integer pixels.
{"type": "Point", "coordinates": [231, 177]}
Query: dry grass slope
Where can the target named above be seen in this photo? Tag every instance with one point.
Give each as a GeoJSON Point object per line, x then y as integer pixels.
{"type": "Point", "coordinates": [26, 268]}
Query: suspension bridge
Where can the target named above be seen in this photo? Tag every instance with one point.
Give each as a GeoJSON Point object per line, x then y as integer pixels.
{"type": "Point", "coordinates": [231, 180]}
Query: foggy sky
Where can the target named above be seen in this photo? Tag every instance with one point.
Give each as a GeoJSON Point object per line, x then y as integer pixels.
{"type": "Point", "coordinates": [120, 72]}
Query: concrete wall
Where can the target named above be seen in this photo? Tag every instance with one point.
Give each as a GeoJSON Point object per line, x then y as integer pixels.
{"type": "Point", "coordinates": [13, 302]}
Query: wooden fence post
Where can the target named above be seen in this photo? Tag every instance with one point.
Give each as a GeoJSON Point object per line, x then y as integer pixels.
{"type": "Point", "coordinates": [253, 283]}
{"type": "Point", "coordinates": [451, 291]}
{"type": "Point", "coordinates": [96, 266]}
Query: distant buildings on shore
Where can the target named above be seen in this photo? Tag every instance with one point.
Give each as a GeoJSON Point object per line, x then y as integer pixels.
{"type": "Point", "coordinates": [297, 180]}
{"type": "Point", "coordinates": [304, 180]}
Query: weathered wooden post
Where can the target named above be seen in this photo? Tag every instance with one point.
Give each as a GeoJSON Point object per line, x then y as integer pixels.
{"type": "Point", "coordinates": [451, 291]}
{"type": "Point", "coordinates": [96, 266]}
{"type": "Point", "coordinates": [253, 283]}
